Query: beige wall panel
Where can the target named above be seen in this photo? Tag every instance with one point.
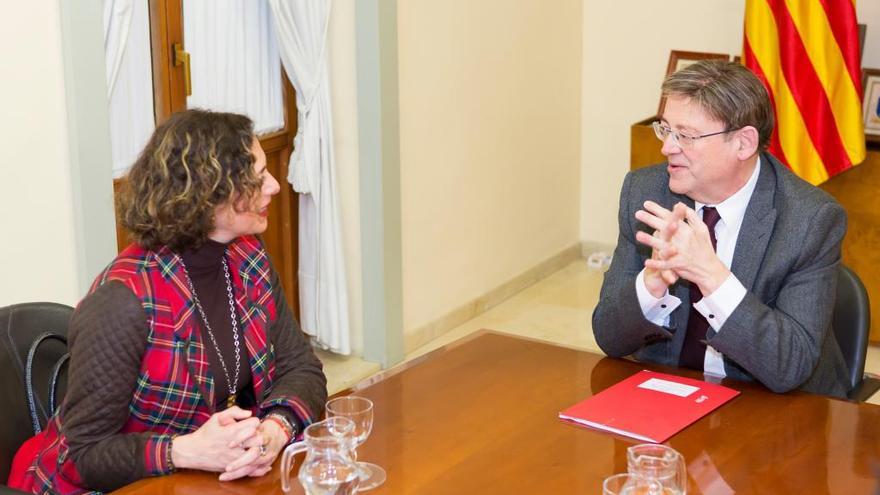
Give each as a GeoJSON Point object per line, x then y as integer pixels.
{"type": "Point", "coordinates": [490, 131]}
{"type": "Point", "coordinates": [626, 49]}
{"type": "Point", "coordinates": [37, 254]}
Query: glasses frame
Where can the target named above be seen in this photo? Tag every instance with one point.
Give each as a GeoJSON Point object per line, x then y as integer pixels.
{"type": "Point", "coordinates": [679, 139]}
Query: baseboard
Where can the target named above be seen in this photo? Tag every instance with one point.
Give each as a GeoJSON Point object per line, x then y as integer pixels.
{"type": "Point", "coordinates": [590, 247]}
{"type": "Point", "coordinates": [422, 335]}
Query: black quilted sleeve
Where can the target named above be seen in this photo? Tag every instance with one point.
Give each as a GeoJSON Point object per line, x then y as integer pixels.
{"type": "Point", "coordinates": [108, 336]}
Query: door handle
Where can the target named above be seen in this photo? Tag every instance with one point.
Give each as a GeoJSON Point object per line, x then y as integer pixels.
{"type": "Point", "coordinates": [181, 57]}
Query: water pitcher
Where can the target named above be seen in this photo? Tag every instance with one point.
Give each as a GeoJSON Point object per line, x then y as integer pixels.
{"type": "Point", "coordinates": [328, 467]}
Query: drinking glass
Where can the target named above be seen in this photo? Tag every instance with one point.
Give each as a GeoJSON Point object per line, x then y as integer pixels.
{"type": "Point", "coordinates": [630, 484]}
{"type": "Point", "coordinates": [360, 411]}
{"type": "Point", "coordinates": [661, 463]}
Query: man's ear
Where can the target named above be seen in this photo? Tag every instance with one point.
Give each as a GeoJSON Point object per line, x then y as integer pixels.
{"type": "Point", "coordinates": [748, 142]}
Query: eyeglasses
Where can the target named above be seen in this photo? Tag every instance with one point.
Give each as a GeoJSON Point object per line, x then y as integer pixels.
{"type": "Point", "coordinates": [679, 139]}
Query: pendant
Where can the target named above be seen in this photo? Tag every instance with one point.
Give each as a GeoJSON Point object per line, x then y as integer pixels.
{"type": "Point", "coordinates": [230, 401]}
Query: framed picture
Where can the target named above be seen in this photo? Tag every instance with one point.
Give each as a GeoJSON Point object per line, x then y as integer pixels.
{"type": "Point", "coordinates": [871, 105]}
{"type": "Point", "coordinates": [863, 30]}
{"type": "Point", "coordinates": [679, 60]}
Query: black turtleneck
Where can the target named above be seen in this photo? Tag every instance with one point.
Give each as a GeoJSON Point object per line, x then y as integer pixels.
{"type": "Point", "coordinates": [205, 268]}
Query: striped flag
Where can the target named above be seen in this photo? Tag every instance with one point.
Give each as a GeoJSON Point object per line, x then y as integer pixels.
{"type": "Point", "coordinates": [807, 54]}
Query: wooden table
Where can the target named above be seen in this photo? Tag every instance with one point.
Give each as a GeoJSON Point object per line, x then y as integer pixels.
{"type": "Point", "coordinates": [480, 416]}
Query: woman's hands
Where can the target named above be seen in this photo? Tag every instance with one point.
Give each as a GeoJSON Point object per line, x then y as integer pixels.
{"type": "Point", "coordinates": [230, 442]}
{"type": "Point", "coordinates": [218, 442]}
{"type": "Point", "coordinates": [254, 462]}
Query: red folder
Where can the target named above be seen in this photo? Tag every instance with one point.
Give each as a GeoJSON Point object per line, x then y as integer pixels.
{"type": "Point", "coordinates": [649, 406]}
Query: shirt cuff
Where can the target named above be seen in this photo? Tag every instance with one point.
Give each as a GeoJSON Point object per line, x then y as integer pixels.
{"type": "Point", "coordinates": [157, 455]}
{"type": "Point", "coordinates": [719, 305]}
{"type": "Point", "coordinates": [655, 310]}
{"type": "Point", "coordinates": [713, 363]}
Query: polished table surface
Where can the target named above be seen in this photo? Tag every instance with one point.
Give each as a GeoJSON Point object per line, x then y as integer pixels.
{"type": "Point", "coordinates": [480, 416]}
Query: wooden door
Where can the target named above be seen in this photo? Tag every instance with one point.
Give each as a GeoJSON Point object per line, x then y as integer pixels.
{"type": "Point", "coordinates": [169, 96]}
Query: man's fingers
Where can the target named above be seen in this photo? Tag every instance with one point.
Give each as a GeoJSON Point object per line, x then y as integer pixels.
{"type": "Point", "coordinates": [656, 209]}
{"type": "Point", "coordinates": [679, 211]}
{"type": "Point", "coordinates": [695, 221]}
{"type": "Point", "coordinates": [650, 220]}
{"type": "Point", "coordinates": [661, 264]}
{"type": "Point", "coordinates": [655, 243]}
{"type": "Point", "coordinates": [667, 251]}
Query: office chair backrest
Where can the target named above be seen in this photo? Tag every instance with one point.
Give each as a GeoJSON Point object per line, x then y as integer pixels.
{"type": "Point", "coordinates": [21, 325]}
{"type": "Point", "coordinates": [852, 323]}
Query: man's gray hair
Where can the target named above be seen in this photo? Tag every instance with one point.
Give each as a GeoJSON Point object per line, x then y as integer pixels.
{"type": "Point", "coordinates": [728, 92]}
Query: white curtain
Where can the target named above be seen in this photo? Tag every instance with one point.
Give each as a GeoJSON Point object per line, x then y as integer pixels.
{"type": "Point", "coordinates": [117, 22]}
{"type": "Point", "coordinates": [129, 79]}
{"type": "Point", "coordinates": [234, 60]}
{"type": "Point", "coordinates": [302, 36]}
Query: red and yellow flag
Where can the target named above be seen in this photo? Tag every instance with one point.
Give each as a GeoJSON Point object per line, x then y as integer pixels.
{"type": "Point", "coordinates": [807, 54]}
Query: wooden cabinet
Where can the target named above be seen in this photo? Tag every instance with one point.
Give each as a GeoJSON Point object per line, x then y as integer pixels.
{"type": "Point", "coordinates": [857, 189]}
{"type": "Point", "coordinates": [644, 145]}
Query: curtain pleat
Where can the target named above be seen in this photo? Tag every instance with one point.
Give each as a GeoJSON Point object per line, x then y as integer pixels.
{"type": "Point", "coordinates": [302, 38]}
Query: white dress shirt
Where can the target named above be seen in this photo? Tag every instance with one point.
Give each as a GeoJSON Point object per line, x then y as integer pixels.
{"type": "Point", "coordinates": [721, 303]}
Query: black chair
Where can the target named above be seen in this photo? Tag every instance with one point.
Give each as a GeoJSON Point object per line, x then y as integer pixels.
{"type": "Point", "coordinates": [852, 326]}
{"type": "Point", "coordinates": [33, 350]}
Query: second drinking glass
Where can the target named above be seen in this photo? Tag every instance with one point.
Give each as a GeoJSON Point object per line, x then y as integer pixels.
{"type": "Point", "coordinates": [360, 411]}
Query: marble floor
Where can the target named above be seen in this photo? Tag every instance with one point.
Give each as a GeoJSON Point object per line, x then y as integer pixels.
{"type": "Point", "coordinates": [556, 309]}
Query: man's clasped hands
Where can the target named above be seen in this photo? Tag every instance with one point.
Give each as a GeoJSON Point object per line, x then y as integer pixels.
{"type": "Point", "coordinates": [681, 248]}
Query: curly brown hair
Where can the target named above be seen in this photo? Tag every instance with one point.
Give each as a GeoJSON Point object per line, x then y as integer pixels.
{"type": "Point", "coordinates": [194, 162]}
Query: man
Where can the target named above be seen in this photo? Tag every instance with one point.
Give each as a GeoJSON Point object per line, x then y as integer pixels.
{"type": "Point", "coordinates": [751, 298]}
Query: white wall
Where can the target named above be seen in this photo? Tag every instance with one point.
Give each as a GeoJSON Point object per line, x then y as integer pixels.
{"type": "Point", "coordinates": [37, 255]}
{"type": "Point", "coordinates": [489, 138]}
{"type": "Point", "coordinates": [868, 12]}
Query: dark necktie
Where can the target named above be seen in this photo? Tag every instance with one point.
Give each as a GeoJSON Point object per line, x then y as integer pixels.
{"type": "Point", "coordinates": [694, 350]}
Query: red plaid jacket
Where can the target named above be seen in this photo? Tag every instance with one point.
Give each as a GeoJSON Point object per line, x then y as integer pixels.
{"type": "Point", "coordinates": [174, 391]}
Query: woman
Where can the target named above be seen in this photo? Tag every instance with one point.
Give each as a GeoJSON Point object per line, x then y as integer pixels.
{"type": "Point", "coordinates": [184, 354]}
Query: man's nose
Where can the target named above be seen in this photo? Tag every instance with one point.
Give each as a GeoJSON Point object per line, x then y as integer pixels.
{"type": "Point", "coordinates": [670, 146]}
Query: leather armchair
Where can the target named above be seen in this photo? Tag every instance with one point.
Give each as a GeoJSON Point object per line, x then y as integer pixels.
{"type": "Point", "coordinates": [20, 325]}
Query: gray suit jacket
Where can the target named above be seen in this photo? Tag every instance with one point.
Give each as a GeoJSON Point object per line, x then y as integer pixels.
{"type": "Point", "coordinates": [786, 256]}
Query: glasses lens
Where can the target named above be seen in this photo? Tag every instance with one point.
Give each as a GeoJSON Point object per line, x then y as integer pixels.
{"type": "Point", "coordinates": [660, 131]}
{"type": "Point", "coordinates": [663, 132]}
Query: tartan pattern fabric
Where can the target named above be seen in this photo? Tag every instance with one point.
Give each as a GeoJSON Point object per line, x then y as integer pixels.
{"type": "Point", "coordinates": [174, 393]}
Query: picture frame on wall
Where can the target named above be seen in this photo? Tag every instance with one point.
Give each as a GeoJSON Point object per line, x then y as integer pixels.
{"type": "Point", "coordinates": [679, 59]}
{"type": "Point", "coordinates": [863, 31]}
{"type": "Point", "coordinates": [871, 104]}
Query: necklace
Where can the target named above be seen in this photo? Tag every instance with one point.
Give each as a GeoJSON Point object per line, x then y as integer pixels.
{"type": "Point", "coordinates": [230, 401]}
